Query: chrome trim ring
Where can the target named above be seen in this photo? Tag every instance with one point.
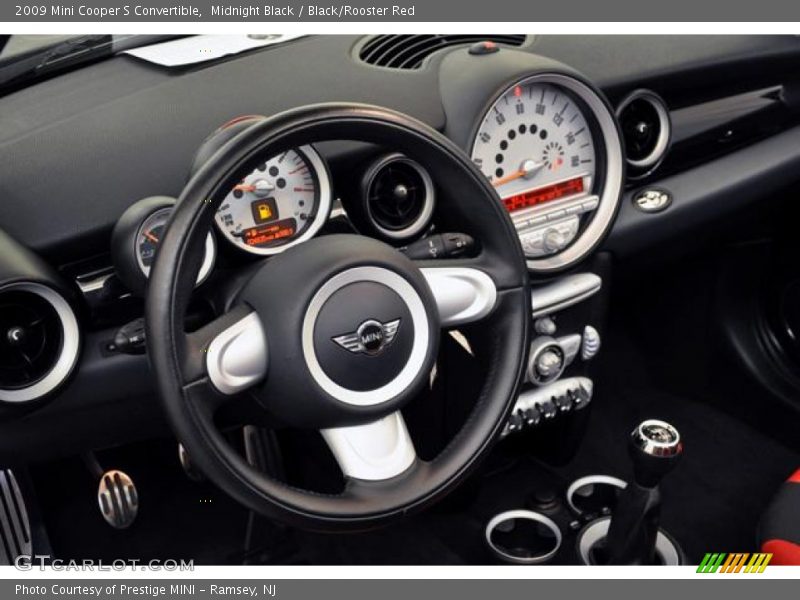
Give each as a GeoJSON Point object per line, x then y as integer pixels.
{"type": "Point", "coordinates": [209, 251]}
{"type": "Point", "coordinates": [612, 180]}
{"type": "Point", "coordinates": [665, 125]}
{"type": "Point", "coordinates": [649, 444]}
{"type": "Point", "coordinates": [597, 530]}
{"type": "Point", "coordinates": [531, 516]}
{"type": "Point", "coordinates": [70, 345]}
{"type": "Point", "coordinates": [424, 218]}
{"type": "Point", "coordinates": [419, 348]}
{"type": "Point", "coordinates": [591, 480]}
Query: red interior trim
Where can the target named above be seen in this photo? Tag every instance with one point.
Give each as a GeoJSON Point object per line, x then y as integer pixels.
{"type": "Point", "coordinates": [783, 552]}
{"type": "Point", "coordinates": [794, 477]}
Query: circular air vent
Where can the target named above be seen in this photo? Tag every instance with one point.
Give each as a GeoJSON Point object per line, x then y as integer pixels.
{"type": "Point", "coordinates": [398, 197]}
{"type": "Point", "coordinates": [39, 341]}
{"type": "Point", "coordinates": [644, 119]}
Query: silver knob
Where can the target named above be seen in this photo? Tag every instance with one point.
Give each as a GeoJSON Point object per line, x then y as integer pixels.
{"type": "Point", "coordinates": [545, 326]}
{"type": "Point", "coordinates": [657, 438]}
{"type": "Point", "coordinates": [554, 240]}
{"type": "Point", "coordinates": [548, 364]}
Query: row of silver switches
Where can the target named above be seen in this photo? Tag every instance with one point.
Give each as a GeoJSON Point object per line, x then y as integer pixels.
{"type": "Point", "coordinates": [538, 405]}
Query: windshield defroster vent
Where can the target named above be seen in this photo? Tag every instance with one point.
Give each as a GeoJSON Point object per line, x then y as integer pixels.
{"type": "Point", "coordinates": [410, 51]}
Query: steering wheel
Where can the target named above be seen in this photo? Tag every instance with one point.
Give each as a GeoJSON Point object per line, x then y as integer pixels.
{"type": "Point", "coordinates": [338, 334]}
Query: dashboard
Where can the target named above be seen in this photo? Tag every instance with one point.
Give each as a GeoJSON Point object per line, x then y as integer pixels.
{"type": "Point", "coordinates": [594, 145]}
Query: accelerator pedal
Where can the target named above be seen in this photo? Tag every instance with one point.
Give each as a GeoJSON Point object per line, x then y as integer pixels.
{"type": "Point", "coordinates": [15, 529]}
{"type": "Point", "coordinates": [118, 499]}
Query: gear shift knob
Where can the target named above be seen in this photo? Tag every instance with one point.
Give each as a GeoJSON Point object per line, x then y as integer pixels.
{"type": "Point", "coordinates": [655, 447]}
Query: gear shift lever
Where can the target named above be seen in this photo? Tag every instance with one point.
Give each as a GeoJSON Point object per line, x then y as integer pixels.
{"type": "Point", "coordinates": [655, 448]}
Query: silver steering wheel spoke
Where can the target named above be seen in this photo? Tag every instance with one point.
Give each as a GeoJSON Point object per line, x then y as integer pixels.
{"type": "Point", "coordinates": [463, 294]}
{"type": "Point", "coordinates": [375, 451]}
{"type": "Point", "coordinates": [236, 357]}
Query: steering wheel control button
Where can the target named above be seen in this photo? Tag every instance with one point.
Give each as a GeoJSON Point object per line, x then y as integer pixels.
{"type": "Point", "coordinates": [652, 200]}
{"type": "Point", "coordinates": [591, 343]}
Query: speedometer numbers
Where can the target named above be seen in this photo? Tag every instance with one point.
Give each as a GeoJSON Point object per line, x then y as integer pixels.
{"type": "Point", "coordinates": [536, 148]}
{"type": "Point", "coordinates": [284, 201]}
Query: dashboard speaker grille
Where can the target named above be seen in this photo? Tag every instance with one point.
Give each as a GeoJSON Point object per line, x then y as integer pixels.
{"type": "Point", "coordinates": [410, 51]}
{"type": "Point", "coordinates": [31, 338]}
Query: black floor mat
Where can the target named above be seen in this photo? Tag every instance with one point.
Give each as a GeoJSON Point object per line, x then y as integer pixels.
{"type": "Point", "coordinates": [712, 501]}
{"type": "Point", "coordinates": [177, 518]}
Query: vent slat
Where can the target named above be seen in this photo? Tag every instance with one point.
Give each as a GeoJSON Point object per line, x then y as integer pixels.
{"type": "Point", "coordinates": [409, 52]}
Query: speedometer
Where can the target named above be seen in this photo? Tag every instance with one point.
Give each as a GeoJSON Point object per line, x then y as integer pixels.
{"type": "Point", "coordinates": [536, 146]}
{"type": "Point", "coordinates": [550, 146]}
{"type": "Point", "coordinates": [284, 201]}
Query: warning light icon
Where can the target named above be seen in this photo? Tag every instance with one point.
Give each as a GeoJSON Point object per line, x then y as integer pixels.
{"type": "Point", "coordinates": [264, 210]}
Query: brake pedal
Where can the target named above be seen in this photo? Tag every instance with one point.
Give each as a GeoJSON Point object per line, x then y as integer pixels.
{"type": "Point", "coordinates": [15, 529]}
{"type": "Point", "coordinates": [118, 499]}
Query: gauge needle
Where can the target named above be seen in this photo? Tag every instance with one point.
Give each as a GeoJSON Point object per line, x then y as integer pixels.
{"type": "Point", "coordinates": [528, 169]}
{"type": "Point", "coordinates": [151, 237]}
{"type": "Point", "coordinates": [260, 187]}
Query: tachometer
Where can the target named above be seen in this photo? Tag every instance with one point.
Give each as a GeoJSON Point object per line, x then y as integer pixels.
{"type": "Point", "coordinates": [136, 238]}
{"type": "Point", "coordinates": [149, 235]}
{"type": "Point", "coordinates": [284, 201]}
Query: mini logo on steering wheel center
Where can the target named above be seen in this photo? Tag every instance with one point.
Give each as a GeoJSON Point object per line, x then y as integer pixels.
{"type": "Point", "coordinates": [371, 337]}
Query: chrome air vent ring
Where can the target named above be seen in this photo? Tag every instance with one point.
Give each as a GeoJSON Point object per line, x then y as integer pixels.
{"type": "Point", "coordinates": [646, 128]}
{"type": "Point", "coordinates": [399, 197]}
{"type": "Point", "coordinates": [64, 357]}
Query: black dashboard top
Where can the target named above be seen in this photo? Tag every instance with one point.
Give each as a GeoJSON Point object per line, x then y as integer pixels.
{"type": "Point", "coordinates": [77, 150]}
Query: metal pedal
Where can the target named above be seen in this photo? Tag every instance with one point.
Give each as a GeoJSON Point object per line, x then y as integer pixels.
{"type": "Point", "coordinates": [118, 499]}
{"type": "Point", "coordinates": [15, 529]}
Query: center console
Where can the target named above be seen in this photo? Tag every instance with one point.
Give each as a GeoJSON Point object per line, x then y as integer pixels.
{"type": "Point", "coordinates": [549, 416]}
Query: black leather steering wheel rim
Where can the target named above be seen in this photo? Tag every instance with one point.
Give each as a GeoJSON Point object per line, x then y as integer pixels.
{"type": "Point", "coordinates": [363, 504]}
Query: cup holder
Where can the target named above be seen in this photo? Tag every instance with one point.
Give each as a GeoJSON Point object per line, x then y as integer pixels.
{"type": "Point", "coordinates": [523, 537]}
{"type": "Point", "coordinates": [591, 538]}
{"type": "Point", "coordinates": [594, 495]}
